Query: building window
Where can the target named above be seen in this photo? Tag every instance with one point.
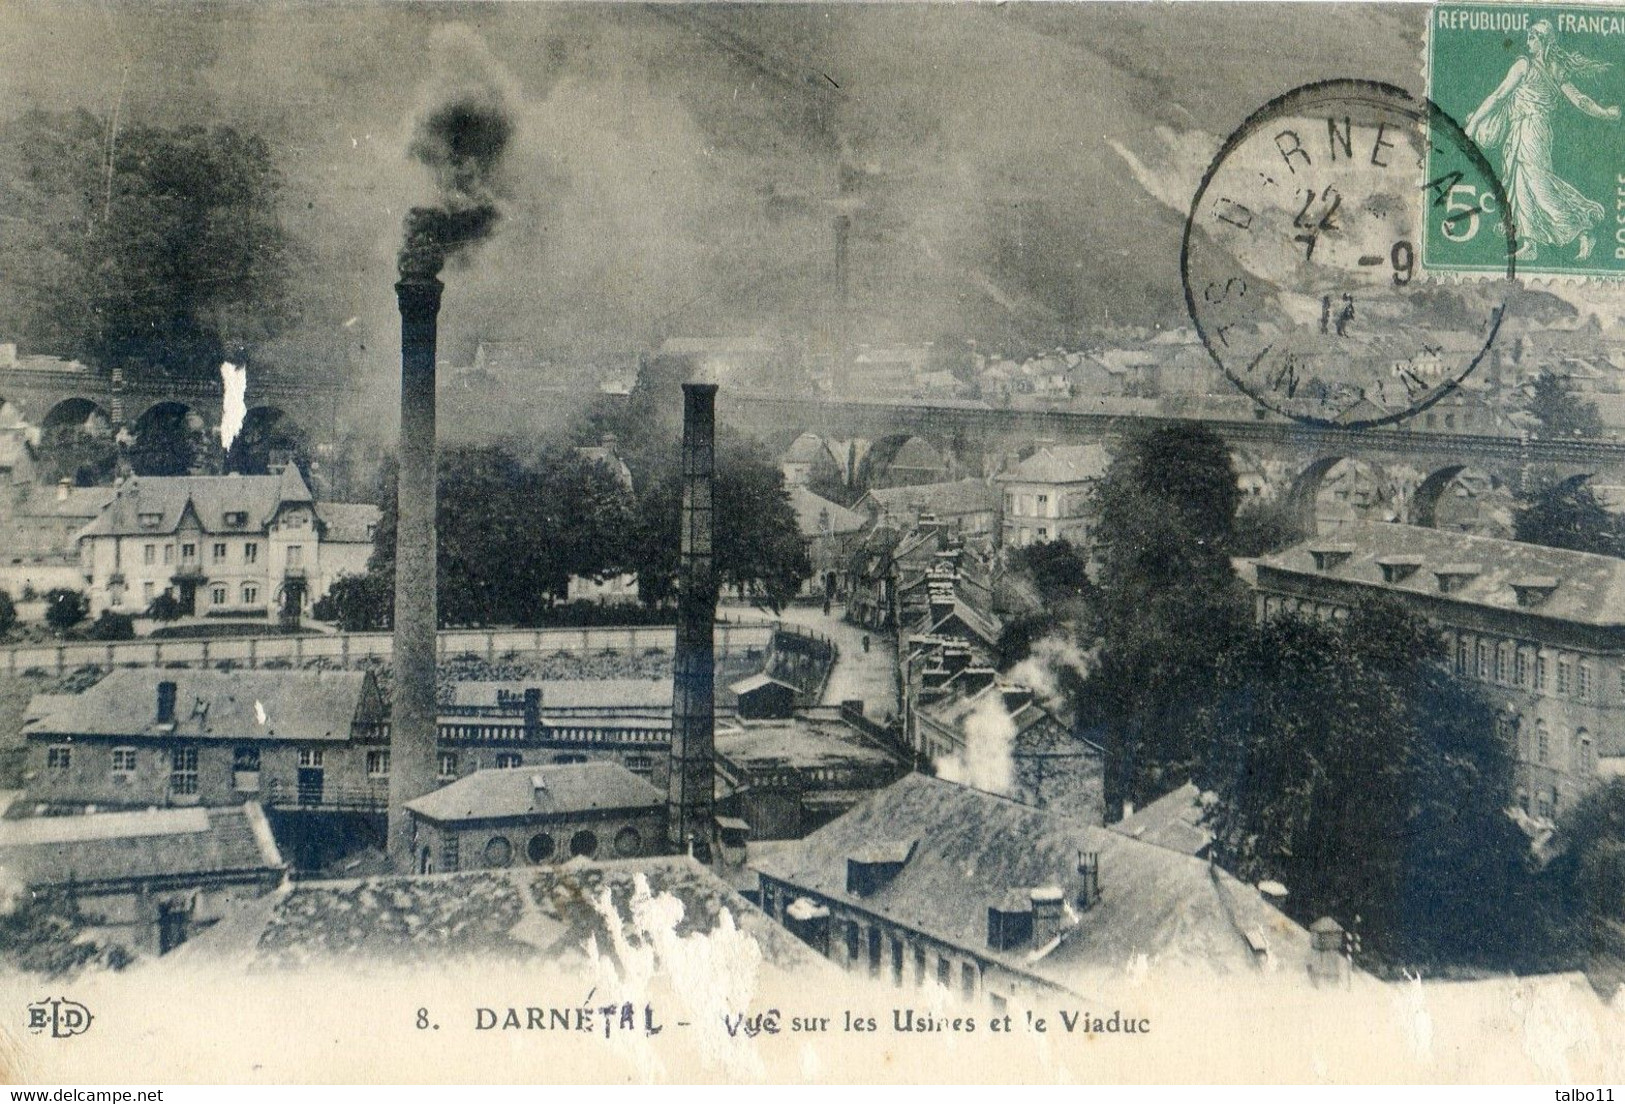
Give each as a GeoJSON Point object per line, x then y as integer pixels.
{"type": "Point", "coordinates": [378, 764]}
{"type": "Point", "coordinates": [967, 978]}
{"type": "Point", "coordinates": [1543, 742]}
{"type": "Point", "coordinates": [1043, 533]}
{"type": "Point", "coordinates": [507, 760]}
{"type": "Point", "coordinates": [245, 757]}
{"type": "Point", "coordinates": [251, 552]}
{"type": "Point", "coordinates": [640, 764]}
{"type": "Point", "coordinates": [183, 770]}
{"type": "Point", "coordinates": [1540, 673]}
{"type": "Point", "coordinates": [147, 592]}
{"type": "Point", "coordinates": [117, 597]}
{"type": "Point", "coordinates": [59, 757]}
{"type": "Point", "coordinates": [169, 554]}
{"type": "Point", "coordinates": [1564, 676]}
{"type": "Point", "coordinates": [628, 842]}
{"type": "Point", "coordinates": [188, 551]}
{"type": "Point", "coordinates": [296, 555]}
{"type": "Point", "coordinates": [945, 971]}
{"type": "Point", "coordinates": [448, 852]}
{"type": "Point", "coordinates": [149, 554]}
{"type": "Point", "coordinates": [584, 843]}
{"type": "Point", "coordinates": [498, 851]}
{"type": "Point", "coordinates": [852, 941]}
{"type": "Point", "coordinates": [541, 847]}
{"type": "Point", "coordinates": [219, 551]}
{"type": "Point", "coordinates": [1520, 668]}
{"type": "Point", "coordinates": [1482, 658]}
{"type": "Point", "coordinates": [1461, 656]}
{"type": "Point", "coordinates": [1584, 764]}
{"type": "Point", "coordinates": [1503, 663]}
{"type": "Point", "coordinates": [448, 764]}
{"type": "Point", "coordinates": [123, 762]}
{"type": "Point", "coordinates": [217, 594]}
{"type": "Point", "coordinates": [310, 757]}
{"type": "Point", "coordinates": [1583, 684]}
{"type": "Point", "coordinates": [251, 594]}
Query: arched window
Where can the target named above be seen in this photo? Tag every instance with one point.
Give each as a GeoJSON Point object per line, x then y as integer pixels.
{"type": "Point", "coordinates": [498, 851]}
{"type": "Point", "coordinates": [628, 842]}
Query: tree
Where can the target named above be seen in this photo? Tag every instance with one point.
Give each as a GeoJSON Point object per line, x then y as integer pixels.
{"type": "Point", "coordinates": [757, 542]}
{"type": "Point", "coordinates": [1566, 513]}
{"type": "Point", "coordinates": [165, 607]}
{"type": "Point", "coordinates": [1352, 767]}
{"type": "Point", "coordinates": [1263, 528]}
{"type": "Point", "coordinates": [1169, 602]}
{"type": "Point", "coordinates": [1058, 569]}
{"type": "Point", "coordinates": [8, 613]}
{"type": "Point", "coordinates": [512, 533]}
{"type": "Point", "coordinates": [65, 608]}
{"type": "Point", "coordinates": [1556, 410]}
{"type": "Point", "coordinates": [358, 603]}
{"type": "Point", "coordinates": [140, 244]}
{"type": "Point", "coordinates": [113, 626]}
{"type": "Point", "coordinates": [1589, 870]}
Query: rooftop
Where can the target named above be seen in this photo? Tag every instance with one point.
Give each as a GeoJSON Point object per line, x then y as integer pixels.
{"type": "Point", "coordinates": [964, 496]}
{"type": "Point", "coordinates": [155, 843]}
{"type": "Point", "coordinates": [1173, 821]}
{"type": "Point", "coordinates": [285, 705]}
{"type": "Point", "coordinates": [1060, 464]}
{"type": "Point", "coordinates": [164, 500]}
{"type": "Point", "coordinates": [816, 515]}
{"type": "Point", "coordinates": [610, 693]}
{"type": "Point", "coordinates": [1590, 588]}
{"type": "Point", "coordinates": [973, 849]}
{"type": "Point", "coordinates": [540, 791]}
{"type": "Point", "coordinates": [801, 742]}
{"type": "Point", "coordinates": [349, 522]}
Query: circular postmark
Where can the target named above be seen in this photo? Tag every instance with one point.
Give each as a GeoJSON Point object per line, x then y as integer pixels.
{"type": "Point", "coordinates": [1303, 258]}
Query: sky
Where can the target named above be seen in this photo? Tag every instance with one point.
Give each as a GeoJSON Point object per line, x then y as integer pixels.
{"type": "Point", "coordinates": [676, 170]}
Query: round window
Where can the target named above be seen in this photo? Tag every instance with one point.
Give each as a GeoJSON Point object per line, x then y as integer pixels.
{"type": "Point", "coordinates": [541, 847]}
{"type": "Point", "coordinates": [628, 842]}
{"type": "Point", "coordinates": [584, 843]}
{"type": "Point", "coordinates": [498, 851]}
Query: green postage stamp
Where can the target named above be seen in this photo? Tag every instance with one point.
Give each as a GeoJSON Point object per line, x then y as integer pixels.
{"type": "Point", "coordinates": [1538, 87]}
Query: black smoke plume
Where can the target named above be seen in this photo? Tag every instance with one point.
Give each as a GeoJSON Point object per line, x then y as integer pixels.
{"type": "Point", "coordinates": [461, 137]}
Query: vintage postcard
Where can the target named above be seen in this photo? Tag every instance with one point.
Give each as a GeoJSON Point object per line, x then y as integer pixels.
{"type": "Point", "coordinates": [563, 543]}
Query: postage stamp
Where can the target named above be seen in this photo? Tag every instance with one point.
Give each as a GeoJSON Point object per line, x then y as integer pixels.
{"type": "Point", "coordinates": [1538, 87]}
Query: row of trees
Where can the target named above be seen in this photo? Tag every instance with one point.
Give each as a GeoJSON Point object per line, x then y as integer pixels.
{"type": "Point", "coordinates": [513, 531]}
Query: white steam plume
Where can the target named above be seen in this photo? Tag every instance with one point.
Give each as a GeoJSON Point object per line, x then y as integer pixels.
{"type": "Point", "coordinates": [986, 762]}
{"type": "Point", "coordinates": [235, 406]}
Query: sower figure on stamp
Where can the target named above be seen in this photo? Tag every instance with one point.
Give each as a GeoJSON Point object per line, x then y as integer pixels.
{"type": "Point", "coordinates": [1517, 116]}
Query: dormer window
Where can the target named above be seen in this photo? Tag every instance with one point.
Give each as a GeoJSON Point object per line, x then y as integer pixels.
{"type": "Point", "coordinates": [236, 518]}
{"type": "Point", "coordinates": [873, 869]}
{"type": "Point", "coordinates": [149, 520]}
{"type": "Point", "coordinates": [1452, 577]}
{"type": "Point", "coordinates": [1396, 569]}
{"type": "Point", "coordinates": [1328, 556]}
{"type": "Point", "coordinates": [1534, 590]}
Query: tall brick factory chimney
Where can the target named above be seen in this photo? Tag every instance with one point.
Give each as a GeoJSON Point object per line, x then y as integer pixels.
{"type": "Point", "coordinates": [690, 796]}
{"type": "Point", "coordinates": [413, 728]}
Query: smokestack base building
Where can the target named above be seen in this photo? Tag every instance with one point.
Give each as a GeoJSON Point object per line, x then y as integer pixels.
{"type": "Point", "coordinates": [690, 791]}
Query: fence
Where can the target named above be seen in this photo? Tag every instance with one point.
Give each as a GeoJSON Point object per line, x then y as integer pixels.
{"type": "Point", "coordinates": [344, 648]}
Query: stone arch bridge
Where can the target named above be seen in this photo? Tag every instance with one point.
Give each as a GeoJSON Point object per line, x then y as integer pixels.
{"type": "Point", "coordinates": [69, 396]}
{"type": "Point", "coordinates": [1391, 473]}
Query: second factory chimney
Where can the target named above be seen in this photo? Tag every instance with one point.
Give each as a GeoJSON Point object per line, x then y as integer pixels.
{"type": "Point", "coordinates": [413, 717]}
{"type": "Point", "coordinates": [691, 788]}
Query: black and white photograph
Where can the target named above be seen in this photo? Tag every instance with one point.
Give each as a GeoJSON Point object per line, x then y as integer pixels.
{"type": "Point", "coordinates": [812, 543]}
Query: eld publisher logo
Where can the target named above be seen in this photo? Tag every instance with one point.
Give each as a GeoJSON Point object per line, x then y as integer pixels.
{"type": "Point", "coordinates": [63, 1018]}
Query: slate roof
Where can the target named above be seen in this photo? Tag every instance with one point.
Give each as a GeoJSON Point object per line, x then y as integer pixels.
{"type": "Point", "coordinates": [964, 496]}
{"type": "Point", "coordinates": [1060, 464]}
{"type": "Point", "coordinates": [1173, 821]}
{"type": "Point", "coordinates": [972, 849]}
{"type": "Point", "coordinates": [1591, 589]}
{"type": "Point", "coordinates": [211, 497]}
{"type": "Point", "coordinates": [756, 682]}
{"type": "Point", "coordinates": [799, 742]}
{"type": "Point", "coordinates": [349, 522]}
{"type": "Point", "coordinates": [157, 843]}
{"type": "Point", "coordinates": [511, 793]}
{"type": "Point", "coordinates": [297, 705]}
{"type": "Point", "coordinates": [812, 511]}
